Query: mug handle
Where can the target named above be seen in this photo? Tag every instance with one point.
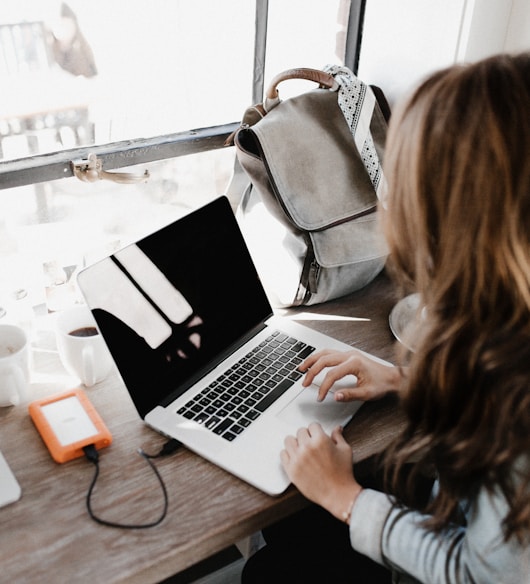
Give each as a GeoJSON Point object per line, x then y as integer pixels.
{"type": "Point", "coordinates": [89, 366]}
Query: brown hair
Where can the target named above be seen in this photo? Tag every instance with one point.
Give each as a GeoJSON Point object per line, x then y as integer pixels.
{"type": "Point", "coordinates": [458, 228]}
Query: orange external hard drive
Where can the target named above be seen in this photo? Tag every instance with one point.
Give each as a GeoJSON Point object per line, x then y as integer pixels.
{"type": "Point", "coordinates": [67, 423]}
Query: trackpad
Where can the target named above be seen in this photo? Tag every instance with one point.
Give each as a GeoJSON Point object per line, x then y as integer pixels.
{"type": "Point", "coordinates": [304, 408]}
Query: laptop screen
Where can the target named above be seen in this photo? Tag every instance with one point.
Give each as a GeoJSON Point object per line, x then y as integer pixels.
{"type": "Point", "coordinates": [173, 304]}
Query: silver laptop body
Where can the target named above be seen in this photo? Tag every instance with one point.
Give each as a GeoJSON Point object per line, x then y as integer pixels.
{"type": "Point", "coordinates": [189, 326]}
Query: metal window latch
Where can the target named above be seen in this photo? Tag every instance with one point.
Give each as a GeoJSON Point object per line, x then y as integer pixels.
{"type": "Point", "coordinates": [91, 170]}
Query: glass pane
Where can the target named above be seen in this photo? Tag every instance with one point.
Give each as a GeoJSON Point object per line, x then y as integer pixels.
{"type": "Point", "coordinates": [76, 73]}
{"type": "Point", "coordinates": [50, 230]}
{"type": "Point", "coordinates": [140, 69]}
{"type": "Point", "coordinates": [305, 34]}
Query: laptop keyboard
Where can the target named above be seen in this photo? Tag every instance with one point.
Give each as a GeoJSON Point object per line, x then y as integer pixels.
{"type": "Point", "coordinates": [238, 397]}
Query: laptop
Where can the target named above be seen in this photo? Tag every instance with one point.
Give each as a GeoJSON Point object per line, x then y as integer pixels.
{"type": "Point", "coordinates": [203, 357]}
{"type": "Point", "coordinates": [10, 490]}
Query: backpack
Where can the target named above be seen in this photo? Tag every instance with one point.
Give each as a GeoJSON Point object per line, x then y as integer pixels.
{"type": "Point", "coordinates": [312, 175]}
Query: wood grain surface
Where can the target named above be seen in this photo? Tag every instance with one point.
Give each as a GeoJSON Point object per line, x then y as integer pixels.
{"type": "Point", "coordinates": [47, 536]}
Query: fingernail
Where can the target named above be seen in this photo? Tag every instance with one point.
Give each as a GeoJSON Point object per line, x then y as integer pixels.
{"type": "Point", "coordinates": [339, 396]}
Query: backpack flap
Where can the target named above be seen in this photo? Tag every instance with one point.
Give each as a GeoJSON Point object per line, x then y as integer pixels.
{"type": "Point", "coordinates": [303, 161]}
{"type": "Point", "coordinates": [312, 161]}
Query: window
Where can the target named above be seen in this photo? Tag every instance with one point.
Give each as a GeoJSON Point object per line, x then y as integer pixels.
{"type": "Point", "coordinates": [154, 86]}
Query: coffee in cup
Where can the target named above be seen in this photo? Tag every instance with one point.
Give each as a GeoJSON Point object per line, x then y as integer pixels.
{"type": "Point", "coordinates": [84, 331]}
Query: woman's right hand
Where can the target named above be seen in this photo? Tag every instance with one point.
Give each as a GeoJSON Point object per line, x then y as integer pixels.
{"type": "Point", "coordinates": [374, 379]}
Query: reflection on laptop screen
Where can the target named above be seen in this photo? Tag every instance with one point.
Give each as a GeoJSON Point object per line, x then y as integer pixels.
{"type": "Point", "coordinates": [173, 303]}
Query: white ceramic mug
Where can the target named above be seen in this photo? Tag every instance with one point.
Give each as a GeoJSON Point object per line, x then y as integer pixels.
{"type": "Point", "coordinates": [14, 365]}
{"type": "Point", "coordinates": [82, 350]}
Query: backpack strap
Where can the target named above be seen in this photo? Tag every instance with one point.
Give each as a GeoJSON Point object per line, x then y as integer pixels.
{"type": "Point", "coordinates": [358, 102]}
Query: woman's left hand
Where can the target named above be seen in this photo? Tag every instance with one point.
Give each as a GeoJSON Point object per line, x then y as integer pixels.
{"type": "Point", "coordinates": [321, 466]}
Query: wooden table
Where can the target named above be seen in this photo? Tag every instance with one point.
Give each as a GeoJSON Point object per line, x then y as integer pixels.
{"type": "Point", "coordinates": [47, 535]}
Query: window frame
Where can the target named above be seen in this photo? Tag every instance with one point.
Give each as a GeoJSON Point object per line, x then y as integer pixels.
{"type": "Point", "coordinates": [116, 155]}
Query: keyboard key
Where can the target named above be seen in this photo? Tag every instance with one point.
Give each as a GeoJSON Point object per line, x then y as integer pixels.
{"type": "Point", "coordinates": [224, 425]}
{"type": "Point", "coordinates": [273, 395]}
{"type": "Point", "coordinates": [306, 352]}
{"type": "Point", "coordinates": [212, 422]}
{"type": "Point", "coordinates": [201, 418]}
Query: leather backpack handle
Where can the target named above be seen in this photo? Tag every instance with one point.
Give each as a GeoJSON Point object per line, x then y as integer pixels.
{"type": "Point", "coordinates": [324, 80]}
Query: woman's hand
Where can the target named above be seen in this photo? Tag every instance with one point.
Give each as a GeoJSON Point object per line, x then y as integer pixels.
{"type": "Point", "coordinates": [321, 467]}
{"type": "Point", "coordinates": [374, 380]}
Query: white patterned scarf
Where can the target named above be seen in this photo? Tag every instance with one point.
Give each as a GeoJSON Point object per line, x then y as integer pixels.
{"type": "Point", "coordinates": [357, 102]}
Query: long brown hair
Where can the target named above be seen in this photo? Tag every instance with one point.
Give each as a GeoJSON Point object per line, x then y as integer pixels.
{"type": "Point", "coordinates": [458, 228]}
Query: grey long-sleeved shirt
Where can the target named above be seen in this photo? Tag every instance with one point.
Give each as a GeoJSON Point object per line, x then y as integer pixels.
{"type": "Point", "coordinates": [475, 554]}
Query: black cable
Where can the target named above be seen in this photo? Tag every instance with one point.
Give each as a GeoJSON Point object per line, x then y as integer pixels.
{"type": "Point", "coordinates": [92, 455]}
{"type": "Point", "coordinates": [169, 447]}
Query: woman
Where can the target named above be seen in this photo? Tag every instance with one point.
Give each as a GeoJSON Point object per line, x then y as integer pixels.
{"type": "Point", "coordinates": [457, 221]}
